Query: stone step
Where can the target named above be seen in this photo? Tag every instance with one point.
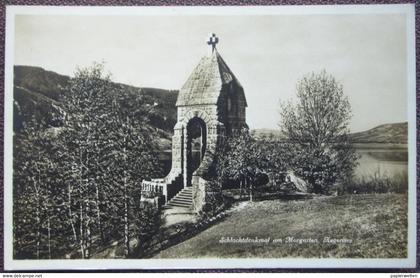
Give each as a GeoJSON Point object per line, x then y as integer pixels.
{"type": "Point", "coordinates": [177, 205]}
{"type": "Point", "coordinates": [179, 201]}
{"type": "Point", "coordinates": [184, 194]}
{"type": "Point", "coordinates": [183, 197]}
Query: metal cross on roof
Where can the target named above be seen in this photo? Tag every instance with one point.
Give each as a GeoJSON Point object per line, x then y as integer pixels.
{"type": "Point", "coordinates": [213, 40]}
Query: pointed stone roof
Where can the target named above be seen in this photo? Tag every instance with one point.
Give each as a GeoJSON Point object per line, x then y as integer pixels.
{"type": "Point", "coordinates": [205, 82]}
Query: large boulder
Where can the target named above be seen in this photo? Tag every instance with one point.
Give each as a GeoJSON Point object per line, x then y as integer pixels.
{"type": "Point", "coordinates": [299, 183]}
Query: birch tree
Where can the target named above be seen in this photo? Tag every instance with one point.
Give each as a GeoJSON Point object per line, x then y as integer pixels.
{"type": "Point", "coordinates": [34, 199]}
{"type": "Point", "coordinates": [81, 188]}
{"type": "Point", "coordinates": [131, 148]}
{"type": "Point", "coordinates": [85, 106]}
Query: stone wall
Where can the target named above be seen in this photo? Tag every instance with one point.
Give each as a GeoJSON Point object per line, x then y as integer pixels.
{"type": "Point", "coordinates": [199, 192]}
{"type": "Point", "coordinates": [232, 108]}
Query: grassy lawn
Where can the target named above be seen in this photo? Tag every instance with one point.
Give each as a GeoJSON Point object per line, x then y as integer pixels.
{"type": "Point", "coordinates": [376, 225]}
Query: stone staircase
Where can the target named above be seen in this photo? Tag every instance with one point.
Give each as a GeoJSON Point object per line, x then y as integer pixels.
{"type": "Point", "coordinates": [181, 200]}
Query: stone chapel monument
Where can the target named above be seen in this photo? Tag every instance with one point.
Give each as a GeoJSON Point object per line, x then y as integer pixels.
{"type": "Point", "coordinates": [210, 105]}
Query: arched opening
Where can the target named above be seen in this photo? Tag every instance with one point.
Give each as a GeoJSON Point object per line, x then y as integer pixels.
{"type": "Point", "coordinates": [196, 146]}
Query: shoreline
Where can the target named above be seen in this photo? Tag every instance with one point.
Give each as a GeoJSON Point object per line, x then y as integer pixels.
{"type": "Point", "coordinates": [388, 146]}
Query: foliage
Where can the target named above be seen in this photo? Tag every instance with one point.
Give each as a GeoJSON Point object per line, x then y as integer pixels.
{"type": "Point", "coordinates": [82, 185]}
{"type": "Point", "coordinates": [37, 200]}
{"type": "Point", "coordinates": [276, 158]}
{"type": "Point", "coordinates": [215, 201]}
{"type": "Point", "coordinates": [130, 157]}
{"type": "Point", "coordinates": [241, 159]}
{"type": "Point", "coordinates": [147, 223]}
{"type": "Point", "coordinates": [317, 125]}
{"type": "Point", "coordinates": [321, 114]}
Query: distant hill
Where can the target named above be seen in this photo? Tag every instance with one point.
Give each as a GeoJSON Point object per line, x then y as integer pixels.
{"type": "Point", "coordinates": [39, 81]}
{"type": "Point", "coordinates": [267, 133]}
{"type": "Point", "coordinates": [38, 93]}
{"type": "Point", "coordinates": [386, 133]}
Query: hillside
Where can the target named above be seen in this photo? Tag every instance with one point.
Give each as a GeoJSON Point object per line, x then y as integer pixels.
{"type": "Point", "coordinates": [40, 81]}
{"type": "Point", "coordinates": [386, 133]}
{"type": "Point", "coordinates": [262, 133]}
{"type": "Point", "coordinates": [38, 93]}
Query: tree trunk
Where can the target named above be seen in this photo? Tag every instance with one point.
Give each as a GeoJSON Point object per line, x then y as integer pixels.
{"type": "Point", "coordinates": [82, 244]}
{"type": "Point", "coordinates": [251, 191]}
{"type": "Point", "coordinates": [38, 221]}
{"type": "Point", "coordinates": [88, 241]}
{"type": "Point", "coordinates": [49, 237]}
{"type": "Point", "coordinates": [126, 224]}
{"type": "Point", "coordinates": [38, 233]}
{"type": "Point", "coordinates": [240, 188]}
{"type": "Point", "coordinates": [98, 214]}
{"type": "Point", "coordinates": [81, 201]}
{"type": "Point", "coordinates": [71, 215]}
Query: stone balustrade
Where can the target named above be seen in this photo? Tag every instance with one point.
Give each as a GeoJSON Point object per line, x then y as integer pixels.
{"type": "Point", "coordinates": [154, 188]}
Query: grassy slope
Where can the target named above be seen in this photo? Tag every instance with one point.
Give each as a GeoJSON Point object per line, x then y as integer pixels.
{"type": "Point", "coordinates": [377, 224]}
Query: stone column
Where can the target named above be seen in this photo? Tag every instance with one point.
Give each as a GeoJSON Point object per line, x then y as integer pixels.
{"type": "Point", "coordinates": [215, 136]}
{"type": "Point", "coordinates": [184, 156]}
{"type": "Point", "coordinates": [176, 167]}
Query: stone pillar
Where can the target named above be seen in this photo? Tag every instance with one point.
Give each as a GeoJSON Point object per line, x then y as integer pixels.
{"type": "Point", "coordinates": [177, 149]}
{"type": "Point", "coordinates": [184, 157]}
{"type": "Point", "coordinates": [215, 136]}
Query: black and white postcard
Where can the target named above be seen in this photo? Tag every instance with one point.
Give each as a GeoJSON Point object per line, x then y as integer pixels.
{"type": "Point", "coordinates": [210, 137]}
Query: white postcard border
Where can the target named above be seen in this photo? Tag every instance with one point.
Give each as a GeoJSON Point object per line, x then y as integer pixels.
{"type": "Point", "coordinates": [11, 264]}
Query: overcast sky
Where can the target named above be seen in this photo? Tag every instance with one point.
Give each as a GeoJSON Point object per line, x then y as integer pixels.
{"type": "Point", "coordinates": [268, 54]}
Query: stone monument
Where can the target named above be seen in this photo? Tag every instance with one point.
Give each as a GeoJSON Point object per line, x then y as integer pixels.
{"type": "Point", "coordinates": [210, 105]}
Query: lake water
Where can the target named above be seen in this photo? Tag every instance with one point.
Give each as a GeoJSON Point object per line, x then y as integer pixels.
{"type": "Point", "coordinates": [386, 161]}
